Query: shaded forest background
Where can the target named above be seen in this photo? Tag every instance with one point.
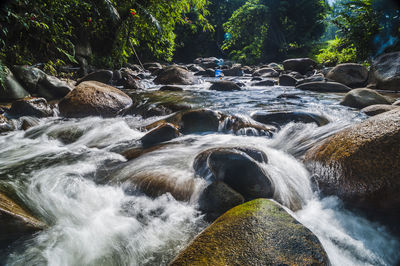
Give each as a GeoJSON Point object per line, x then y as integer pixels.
{"type": "Point", "coordinates": [106, 33]}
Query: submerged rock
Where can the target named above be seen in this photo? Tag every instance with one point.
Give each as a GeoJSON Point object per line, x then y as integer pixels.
{"type": "Point", "coordinates": [224, 85]}
{"type": "Point", "coordinates": [92, 98]}
{"type": "Point", "coordinates": [386, 70]}
{"type": "Point", "coordinates": [15, 222]}
{"type": "Point", "coordinates": [174, 75]}
{"type": "Point", "coordinates": [37, 107]}
{"type": "Point", "coordinates": [301, 65]}
{"type": "Point", "coordinates": [360, 98]}
{"type": "Point", "coordinates": [283, 118]}
{"type": "Point", "coordinates": [349, 74]}
{"type": "Point", "coordinates": [320, 86]}
{"type": "Point", "coordinates": [361, 165]}
{"type": "Point", "coordinates": [171, 88]}
{"type": "Point", "coordinates": [238, 168]}
{"type": "Point", "coordinates": [259, 232]}
{"type": "Point", "coordinates": [5, 125]}
{"type": "Point", "coordinates": [268, 83]}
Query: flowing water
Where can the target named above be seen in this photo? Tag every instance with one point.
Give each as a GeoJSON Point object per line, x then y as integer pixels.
{"type": "Point", "coordinates": [69, 172]}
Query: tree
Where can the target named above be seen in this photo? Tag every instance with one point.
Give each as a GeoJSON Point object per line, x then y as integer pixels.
{"type": "Point", "coordinates": [265, 30]}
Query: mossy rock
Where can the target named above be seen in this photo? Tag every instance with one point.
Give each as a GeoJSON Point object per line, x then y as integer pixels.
{"type": "Point", "coordinates": [259, 232]}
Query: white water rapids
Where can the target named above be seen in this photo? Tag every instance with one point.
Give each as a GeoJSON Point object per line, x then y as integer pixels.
{"type": "Point", "coordinates": [58, 168]}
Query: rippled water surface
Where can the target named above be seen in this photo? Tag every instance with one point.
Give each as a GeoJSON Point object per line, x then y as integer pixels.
{"type": "Point", "coordinates": [69, 173]}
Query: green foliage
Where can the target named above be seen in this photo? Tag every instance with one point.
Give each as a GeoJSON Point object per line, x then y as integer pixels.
{"type": "Point", "coordinates": [265, 30]}
{"type": "Point", "coordinates": [336, 53]}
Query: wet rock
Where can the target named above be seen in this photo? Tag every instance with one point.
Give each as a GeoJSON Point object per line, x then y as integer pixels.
{"type": "Point", "coordinates": [397, 103]}
{"type": "Point", "coordinates": [386, 70]}
{"type": "Point", "coordinates": [92, 98]}
{"type": "Point", "coordinates": [103, 76]}
{"type": "Point", "coordinates": [155, 185]}
{"type": "Point", "coordinates": [313, 78]}
{"type": "Point", "coordinates": [266, 72]}
{"type": "Point", "coordinates": [361, 165]}
{"type": "Point", "coordinates": [259, 232]}
{"type": "Point", "coordinates": [237, 168]}
{"type": "Point", "coordinates": [152, 66]}
{"type": "Point", "coordinates": [377, 109]}
{"type": "Point", "coordinates": [12, 89]}
{"type": "Point", "coordinates": [32, 106]}
{"type": "Point", "coordinates": [209, 62]}
{"type": "Point", "coordinates": [174, 75]}
{"type": "Point", "coordinates": [349, 74]}
{"type": "Point", "coordinates": [51, 88]}
{"type": "Point", "coordinates": [206, 73]}
{"type": "Point", "coordinates": [160, 134]}
{"type": "Point", "coordinates": [301, 65]}
{"type": "Point", "coordinates": [323, 87]}
{"type": "Point", "coordinates": [195, 68]}
{"type": "Point", "coordinates": [268, 83]}
{"type": "Point", "coordinates": [283, 118]}
{"type": "Point", "coordinates": [360, 98]}
{"type": "Point", "coordinates": [224, 85]}
{"type": "Point", "coordinates": [129, 80]}
{"type": "Point", "coordinates": [28, 76]}
{"type": "Point", "coordinates": [288, 96]}
{"type": "Point", "coordinates": [27, 122]}
{"type": "Point", "coordinates": [234, 72]}
{"type": "Point", "coordinates": [171, 88]}
{"type": "Point", "coordinates": [199, 121]}
{"type": "Point", "coordinates": [218, 198]}
{"type": "Point", "coordinates": [134, 153]}
{"type": "Point", "coordinates": [287, 80]}
{"type": "Point", "coordinates": [15, 222]}
{"type": "Point", "coordinates": [5, 125]}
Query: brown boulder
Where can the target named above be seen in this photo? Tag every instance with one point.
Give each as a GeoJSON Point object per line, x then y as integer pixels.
{"type": "Point", "coordinates": [174, 75]}
{"type": "Point", "coordinates": [350, 74]}
{"type": "Point", "coordinates": [92, 98]}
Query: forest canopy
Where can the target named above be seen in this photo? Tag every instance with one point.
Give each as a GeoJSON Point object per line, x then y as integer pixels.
{"type": "Point", "coordinates": [108, 32]}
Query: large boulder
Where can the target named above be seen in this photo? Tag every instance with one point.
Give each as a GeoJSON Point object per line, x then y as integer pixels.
{"type": "Point", "coordinates": [31, 106]}
{"type": "Point", "coordinates": [15, 222]}
{"type": "Point", "coordinates": [92, 98]}
{"type": "Point", "coordinates": [238, 168]}
{"type": "Point", "coordinates": [283, 118]}
{"type": "Point", "coordinates": [350, 74]}
{"type": "Point", "coordinates": [361, 165]}
{"type": "Point", "coordinates": [234, 71]}
{"type": "Point", "coordinates": [314, 78]}
{"type": "Point", "coordinates": [174, 75]}
{"type": "Point", "coordinates": [224, 85]}
{"type": "Point", "coordinates": [266, 72]}
{"type": "Point", "coordinates": [320, 86]}
{"type": "Point", "coordinates": [12, 89]}
{"type": "Point", "coordinates": [301, 65]}
{"type": "Point", "coordinates": [259, 232]}
{"type": "Point", "coordinates": [103, 76]}
{"type": "Point", "coordinates": [28, 76]}
{"type": "Point", "coordinates": [386, 70]}
{"type": "Point", "coordinates": [287, 80]}
{"type": "Point", "coordinates": [363, 97]}
{"type": "Point", "coordinates": [377, 109]}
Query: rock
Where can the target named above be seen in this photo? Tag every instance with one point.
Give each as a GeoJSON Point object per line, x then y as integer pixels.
{"type": "Point", "coordinates": [218, 198]}
{"type": "Point", "coordinates": [323, 87]}
{"type": "Point", "coordinates": [103, 76]}
{"type": "Point", "coordinates": [160, 134]}
{"type": "Point", "coordinates": [224, 85]}
{"type": "Point", "coordinates": [92, 98]}
{"type": "Point", "coordinates": [27, 122]}
{"type": "Point", "coordinates": [199, 121]}
{"type": "Point", "coordinates": [360, 98]}
{"type": "Point", "coordinates": [130, 80]}
{"type": "Point", "coordinates": [174, 75]}
{"type": "Point", "coordinates": [29, 77]}
{"type": "Point", "coordinates": [301, 65]}
{"type": "Point", "coordinates": [5, 125]}
{"type": "Point", "coordinates": [288, 96]}
{"type": "Point", "coordinates": [313, 78]}
{"type": "Point", "coordinates": [234, 71]}
{"type": "Point", "coordinates": [283, 118]}
{"type": "Point", "coordinates": [386, 69]}
{"type": "Point", "coordinates": [237, 168]}
{"type": "Point", "coordinates": [153, 65]}
{"type": "Point", "coordinates": [12, 89]}
{"type": "Point", "coordinates": [51, 88]}
{"type": "Point", "coordinates": [37, 107]}
{"type": "Point", "coordinates": [349, 74]}
{"type": "Point", "coordinates": [377, 109]}
{"type": "Point", "coordinates": [268, 83]}
{"type": "Point", "coordinates": [15, 222]}
{"type": "Point", "coordinates": [259, 232]}
{"type": "Point", "coordinates": [266, 72]}
{"type": "Point", "coordinates": [170, 88]}
{"type": "Point", "coordinates": [287, 80]}
{"type": "Point", "coordinates": [397, 103]}
{"type": "Point", "coordinates": [206, 73]}
{"type": "Point", "coordinates": [134, 153]}
{"type": "Point", "coordinates": [209, 62]}
{"type": "Point", "coordinates": [195, 68]}
{"type": "Point", "coordinates": [155, 185]}
{"type": "Point", "coordinates": [361, 165]}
